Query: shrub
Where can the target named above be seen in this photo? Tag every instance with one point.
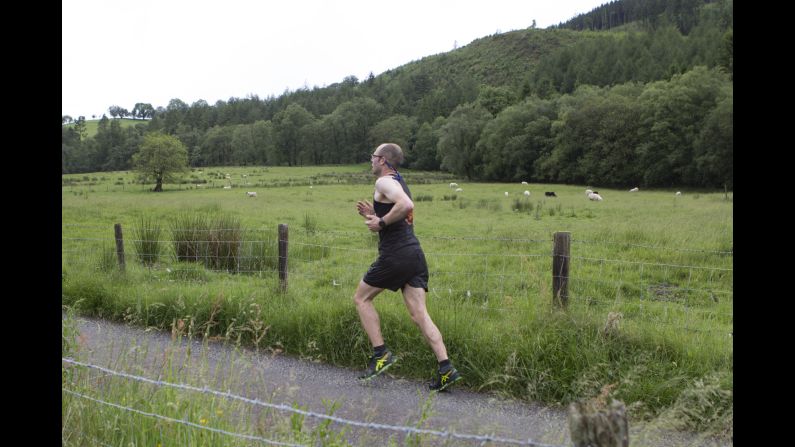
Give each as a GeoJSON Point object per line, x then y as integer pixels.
{"type": "Point", "coordinates": [522, 205]}
{"type": "Point", "coordinates": [107, 259]}
{"type": "Point", "coordinates": [224, 244]}
{"type": "Point", "coordinates": [491, 205]}
{"type": "Point", "coordinates": [189, 233]}
{"type": "Point", "coordinates": [147, 241]}
{"type": "Point", "coordinates": [214, 243]}
{"type": "Point", "coordinates": [310, 223]}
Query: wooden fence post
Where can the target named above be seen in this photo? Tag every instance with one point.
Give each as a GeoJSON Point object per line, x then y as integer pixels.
{"type": "Point", "coordinates": [119, 246]}
{"type": "Point", "coordinates": [560, 268]}
{"type": "Point", "coordinates": [283, 238]}
{"type": "Point", "coordinates": [593, 425]}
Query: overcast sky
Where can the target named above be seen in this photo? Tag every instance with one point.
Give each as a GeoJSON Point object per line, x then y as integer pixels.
{"type": "Point", "coordinates": [150, 51]}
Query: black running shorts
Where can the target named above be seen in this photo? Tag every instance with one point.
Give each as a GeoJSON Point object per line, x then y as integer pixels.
{"type": "Point", "coordinates": [396, 269]}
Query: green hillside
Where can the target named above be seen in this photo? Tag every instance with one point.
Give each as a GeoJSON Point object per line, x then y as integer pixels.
{"type": "Point", "coordinates": [91, 125]}
{"type": "Point", "coordinates": [499, 59]}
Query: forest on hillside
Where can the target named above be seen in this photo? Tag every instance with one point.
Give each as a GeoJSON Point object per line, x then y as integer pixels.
{"type": "Point", "coordinates": [644, 100]}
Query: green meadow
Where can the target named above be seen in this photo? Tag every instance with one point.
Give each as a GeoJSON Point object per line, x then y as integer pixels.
{"type": "Point", "coordinates": [649, 318]}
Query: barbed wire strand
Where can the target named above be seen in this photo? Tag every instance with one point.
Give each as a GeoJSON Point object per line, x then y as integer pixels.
{"type": "Point", "coordinates": [370, 425]}
{"type": "Point", "coordinates": [485, 255]}
{"type": "Point", "coordinates": [302, 230]}
{"type": "Point", "coordinates": [656, 247]}
{"type": "Point", "coordinates": [184, 422]}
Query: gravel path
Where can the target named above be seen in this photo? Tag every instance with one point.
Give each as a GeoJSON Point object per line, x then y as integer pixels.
{"type": "Point", "coordinates": [385, 400]}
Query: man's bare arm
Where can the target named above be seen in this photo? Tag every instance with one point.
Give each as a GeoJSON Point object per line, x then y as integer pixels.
{"type": "Point", "coordinates": [394, 193]}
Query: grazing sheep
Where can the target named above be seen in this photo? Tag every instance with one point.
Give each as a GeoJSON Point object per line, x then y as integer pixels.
{"type": "Point", "coordinates": [459, 190]}
{"type": "Point", "coordinates": [251, 194]}
{"type": "Point", "coordinates": [453, 185]}
{"type": "Point", "coordinates": [524, 183]}
{"type": "Point", "coordinates": [550, 194]}
{"type": "Point", "coordinates": [678, 193]}
{"type": "Point", "coordinates": [588, 191]}
{"type": "Point", "coordinates": [527, 193]}
{"type": "Point", "coordinates": [227, 187]}
{"type": "Point", "coordinates": [595, 196]}
{"type": "Point", "coordinates": [635, 189]}
{"type": "Point", "coordinates": [506, 193]}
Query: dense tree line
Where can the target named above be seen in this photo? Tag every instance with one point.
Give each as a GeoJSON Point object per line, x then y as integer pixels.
{"type": "Point", "coordinates": [682, 14]}
{"type": "Point", "coordinates": [650, 108]}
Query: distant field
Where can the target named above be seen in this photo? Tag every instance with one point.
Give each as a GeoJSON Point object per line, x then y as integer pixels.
{"type": "Point", "coordinates": [91, 125]}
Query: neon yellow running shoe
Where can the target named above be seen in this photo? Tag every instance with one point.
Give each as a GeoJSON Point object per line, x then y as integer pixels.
{"type": "Point", "coordinates": [378, 364]}
{"type": "Point", "coordinates": [445, 379]}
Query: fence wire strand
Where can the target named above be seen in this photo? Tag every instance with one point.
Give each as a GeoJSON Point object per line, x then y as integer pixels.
{"type": "Point", "coordinates": [281, 407]}
{"type": "Point", "coordinates": [182, 421]}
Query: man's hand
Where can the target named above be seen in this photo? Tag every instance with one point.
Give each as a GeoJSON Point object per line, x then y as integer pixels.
{"type": "Point", "coordinates": [364, 208]}
{"type": "Point", "coordinates": [371, 220]}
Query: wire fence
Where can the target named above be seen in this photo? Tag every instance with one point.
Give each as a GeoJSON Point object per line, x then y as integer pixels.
{"type": "Point", "coordinates": [282, 408]}
{"type": "Point", "coordinates": [498, 281]}
{"type": "Point", "coordinates": [493, 274]}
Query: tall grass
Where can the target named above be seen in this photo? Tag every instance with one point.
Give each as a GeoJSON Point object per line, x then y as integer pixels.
{"type": "Point", "coordinates": [223, 244]}
{"type": "Point", "coordinates": [146, 239]}
{"type": "Point", "coordinates": [214, 241]}
{"type": "Point", "coordinates": [189, 233]}
{"type": "Point", "coordinates": [105, 409]}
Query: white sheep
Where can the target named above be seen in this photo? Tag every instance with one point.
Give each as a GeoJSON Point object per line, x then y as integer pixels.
{"type": "Point", "coordinates": [635, 189]}
{"type": "Point", "coordinates": [251, 194]}
{"type": "Point", "coordinates": [506, 194]}
{"type": "Point", "coordinates": [227, 187]}
{"type": "Point", "coordinates": [595, 196]}
{"type": "Point", "coordinates": [453, 185]}
{"type": "Point", "coordinates": [678, 193]}
{"type": "Point", "coordinates": [588, 192]}
{"type": "Point", "coordinates": [459, 190]}
{"type": "Point", "coordinates": [524, 183]}
{"type": "Point", "coordinates": [527, 193]}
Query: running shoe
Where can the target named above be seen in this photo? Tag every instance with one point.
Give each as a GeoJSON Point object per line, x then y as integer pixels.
{"type": "Point", "coordinates": [445, 379]}
{"type": "Point", "coordinates": [378, 364]}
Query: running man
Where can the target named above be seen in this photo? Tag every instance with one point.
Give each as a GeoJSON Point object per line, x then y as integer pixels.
{"type": "Point", "coordinates": [400, 265]}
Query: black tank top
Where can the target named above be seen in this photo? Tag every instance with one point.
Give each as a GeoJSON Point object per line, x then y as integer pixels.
{"type": "Point", "coordinates": [398, 234]}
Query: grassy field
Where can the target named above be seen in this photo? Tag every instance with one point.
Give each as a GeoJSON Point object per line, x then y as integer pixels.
{"type": "Point", "coordinates": [649, 319]}
{"type": "Point", "coordinates": [91, 125]}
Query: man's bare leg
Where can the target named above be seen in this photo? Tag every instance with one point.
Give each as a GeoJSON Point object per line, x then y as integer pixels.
{"type": "Point", "coordinates": [414, 297]}
{"type": "Point", "coordinates": [363, 297]}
